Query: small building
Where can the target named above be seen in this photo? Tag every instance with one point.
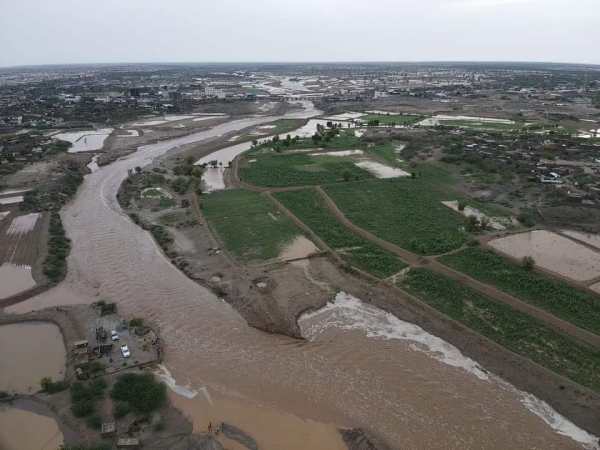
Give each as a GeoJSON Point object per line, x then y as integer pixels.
{"type": "Point", "coordinates": [574, 198]}
{"type": "Point", "coordinates": [80, 347]}
{"type": "Point", "coordinates": [108, 429]}
{"type": "Point", "coordinates": [128, 443]}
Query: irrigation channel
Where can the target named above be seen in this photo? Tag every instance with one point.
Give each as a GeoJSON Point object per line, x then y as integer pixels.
{"type": "Point", "coordinates": [360, 367]}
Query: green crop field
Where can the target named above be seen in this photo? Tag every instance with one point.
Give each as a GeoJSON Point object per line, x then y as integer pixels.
{"type": "Point", "coordinates": [508, 327]}
{"type": "Point", "coordinates": [248, 225]}
{"type": "Point", "coordinates": [406, 212]}
{"type": "Point", "coordinates": [310, 209]}
{"type": "Point", "coordinates": [299, 170]}
{"type": "Point", "coordinates": [398, 119]}
{"type": "Point", "coordinates": [562, 300]}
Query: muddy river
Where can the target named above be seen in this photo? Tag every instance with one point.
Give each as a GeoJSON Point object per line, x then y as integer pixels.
{"type": "Point", "coordinates": [29, 352]}
{"type": "Point", "coordinates": [360, 367]}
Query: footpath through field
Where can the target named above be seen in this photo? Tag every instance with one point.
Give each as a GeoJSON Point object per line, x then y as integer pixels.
{"type": "Point", "coordinates": [415, 260]}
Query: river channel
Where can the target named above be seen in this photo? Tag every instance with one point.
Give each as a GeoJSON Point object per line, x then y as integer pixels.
{"type": "Point", "coordinates": [360, 367]}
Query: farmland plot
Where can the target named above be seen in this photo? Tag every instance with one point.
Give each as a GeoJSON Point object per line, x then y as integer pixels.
{"type": "Point", "coordinates": [508, 327]}
{"type": "Point", "coordinates": [310, 209]}
{"type": "Point", "coordinates": [567, 302]}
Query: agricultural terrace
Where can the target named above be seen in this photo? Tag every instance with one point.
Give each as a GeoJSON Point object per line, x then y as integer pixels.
{"type": "Point", "coordinates": [567, 302]}
{"type": "Point", "coordinates": [277, 127]}
{"type": "Point", "coordinates": [508, 327]}
{"type": "Point", "coordinates": [389, 119]}
{"type": "Point", "coordinates": [497, 126]}
{"type": "Point", "coordinates": [248, 225]}
{"type": "Point", "coordinates": [300, 170]}
{"type": "Point", "coordinates": [310, 209]}
{"type": "Point", "coordinates": [404, 211]}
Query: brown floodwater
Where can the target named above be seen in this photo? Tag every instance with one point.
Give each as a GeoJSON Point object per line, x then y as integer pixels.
{"type": "Point", "coordinates": [26, 430]}
{"type": "Point", "coordinates": [301, 247]}
{"type": "Point", "coordinates": [29, 352]}
{"type": "Point", "coordinates": [14, 279]}
{"type": "Point", "coordinates": [359, 367]}
{"type": "Point", "coordinates": [553, 252]}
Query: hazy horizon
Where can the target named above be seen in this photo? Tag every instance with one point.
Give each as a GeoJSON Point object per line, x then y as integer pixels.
{"type": "Point", "coordinates": [313, 31]}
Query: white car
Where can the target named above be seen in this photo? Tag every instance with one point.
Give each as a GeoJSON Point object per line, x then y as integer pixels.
{"type": "Point", "coordinates": [114, 336]}
{"type": "Point", "coordinates": [125, 351]}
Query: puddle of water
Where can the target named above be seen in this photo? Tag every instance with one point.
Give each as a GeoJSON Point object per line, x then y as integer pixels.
{"type": "Point", "coordinates": [213, 179]}
{"type": "Point", "coordinates": [85, 141]}
{"type": "Point", "coordinates": [588, 238]}
{"type": "Point", "coordinates": [17, 430]}
{"type": "Point", "coordinates": [553, 252]}
{"type": "Point", "coordinates": [165, 119]}
{"type": "Point", "coordinates": [341, 153]}
{"type": "Point", "coordinates": [14, 191]}
{"type": "Point", "coordinates": [301, 247]}
{"type": "Point", "coordinates": [62, 295]}
{"type": "Point", "coordinates": [29, 352]}
{"type": "Point", "coordinates": [494, 222]}
{"type": "Point", "coordinates": [14, 279]}
{"type": "Point", "coordinates": [11, 200]}
{"type": "Point", "coordinates": [4, 214]}
{"type": "Point", "coordinates": [23, 224]}
{"type": "Point", "coordinates": [432, 121]}
{"type": "Point", "coordinates": [130, 133]}
{"type": "Point", "coordinates": [93, 165]}
{"type": "Point", "coordinates": [272, 430]}
{"type": "Point", "coordinates": [381, 170]}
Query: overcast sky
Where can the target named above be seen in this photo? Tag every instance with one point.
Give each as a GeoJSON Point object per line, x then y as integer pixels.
{"type": "Point", "coordinates": [94, 31]}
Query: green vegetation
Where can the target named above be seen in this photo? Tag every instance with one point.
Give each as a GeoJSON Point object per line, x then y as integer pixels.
{"type": "Point", "coordinates": [528, 262]}
{"type": "Point", "coordinates": [137, 322]}
{"type": "Point", "coordinates": [389, 119]}
{"type": "Point", "coordinates": [161, 235]}
{"type": "Point", "coordinates": [310, 209]}
{"type": "Point", "coordinates": [508, 327]}
{"type": "Point", "coordinates": [343, 140]}
{"type": "Point", "coordinates": [52, 387]}
{"type": "Point", "coordinates": [121, 409]}
{"type": "Point", "coordinates": [140, 391]}
{"type": "Point", "coordinates": [84, 397]}
{"type": "Point", "coordinates": [58, 250]}
{"type": "Point", "coordinates": [405, 212]}
{"type": "Point", "coordinates": [564, 301]}
{"type": "Point", "coordinates": [85, 447]}
{"type": "Point", "coordinates": [299, 170]}
{"type": "Point", "coordinates": [248, 225]}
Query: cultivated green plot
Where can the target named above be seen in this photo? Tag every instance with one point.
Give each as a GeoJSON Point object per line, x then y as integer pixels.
{"type": "Point", "coordinates": [310, 209]}
{"type": "Point", "coordinates": [564, 301]}
{"type": "Point", "coordinates": [345, 139]}
{"type": "Point", "coordinates": [509, 327]}
{"type": "Point", "coordinates": [300, 170]}
{"type": "Point", "coordinates": [248, 225]}
{"type": "Point", "coordinates": [406, 212]}
{"type": "Point", "coordinates": [398, 119]}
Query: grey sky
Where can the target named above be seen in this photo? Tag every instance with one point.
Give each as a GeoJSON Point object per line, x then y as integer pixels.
{"type": "Point", "coordinates": [86, 31]}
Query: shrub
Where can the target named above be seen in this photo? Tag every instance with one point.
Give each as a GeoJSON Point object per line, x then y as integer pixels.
{"type": "Point", "coordinates": [141, 391]}
{"type": "Point", "coordinates": [528, 262]}
{"type": "Point", "coordinates": [462, 205]}
{"type": "Point", "coordinates": [82, 408]}
{"type": "Point", "coordinates": [120, 410]}
{"type": "Point", "coordinates": [96, 366]}
{"type": "Point", "coordinates": [160, 426]}
{"type": "Point", "coordinates": [94, 421]}
{"type": "Point", "coordinates": [137, 322]}
{"type": "Point", "coordinates": [51, 387]}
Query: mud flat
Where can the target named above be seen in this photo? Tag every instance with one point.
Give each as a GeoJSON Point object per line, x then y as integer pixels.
{"type": "Point", "coordinates": [29, 352]}
{"type": "Point", "coordinates": [300, 248]}
{"type": "Point", "coordinates": [553, 252]}
{"type": "Point", "coordinates": [591, 239]}
{"type": "Point", "coordinates": [14, 279]}
{"type": "Point", "coordinates": [495, 222]}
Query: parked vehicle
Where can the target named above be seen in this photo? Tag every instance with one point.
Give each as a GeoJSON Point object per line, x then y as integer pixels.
{"type": "Point", "coordinates": [125, 351]}
{"type": "Point", "coordinates": [114, 336]}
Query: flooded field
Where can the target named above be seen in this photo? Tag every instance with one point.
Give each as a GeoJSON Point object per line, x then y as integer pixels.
{"type": "Point", "coordinates": [300, 248]}
{"type": "Point", "coordinates": [26, 430]}
{"type": "Point", "coordinates": [553, 252]}
{"type": "Point", "coordinates": [29, 352]}
{"type": "Point", "coordinates": [381, 170]}
{"type": "Point", "coordinates": [85, 141]}
{"type": "Point", "coordinates": [18, 251]}
{"type": "Point", "coordinates": [360, 366]}
{"type": "Point", "coordinates": [588, 238]}
{"type": "Point", "coordinates": [496, 223]}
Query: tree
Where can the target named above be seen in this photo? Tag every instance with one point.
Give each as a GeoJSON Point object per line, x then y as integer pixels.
{"type": "Point", "coordinates": [138, 169]}
{"type": "Point", "coordinates": [214, 163]}
{"type": "Point", "coordinates": [189, 160]}
{"type": "Point", "coordinates": [413, 175]}
{"type": "Point", "coordinates": [528, 262]}
{"type": "Point", "coordinates": [140, 391]}
{"type": "Point", "coordinates": [462, 205]}
{"type": "Point", "coordinates": [329, 124]}
{"type": "Point", "coordinates": [254, 143]}
{"type": "Point", "coordinates": [471, 223]}
{"type": "Point", "coordinates": [347, 175]}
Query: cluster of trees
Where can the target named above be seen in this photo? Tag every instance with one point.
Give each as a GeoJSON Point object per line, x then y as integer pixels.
{"type": "Point", "coordinates": [473, 224]}
{"type": "Point", "coordinates": [58, 249]}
